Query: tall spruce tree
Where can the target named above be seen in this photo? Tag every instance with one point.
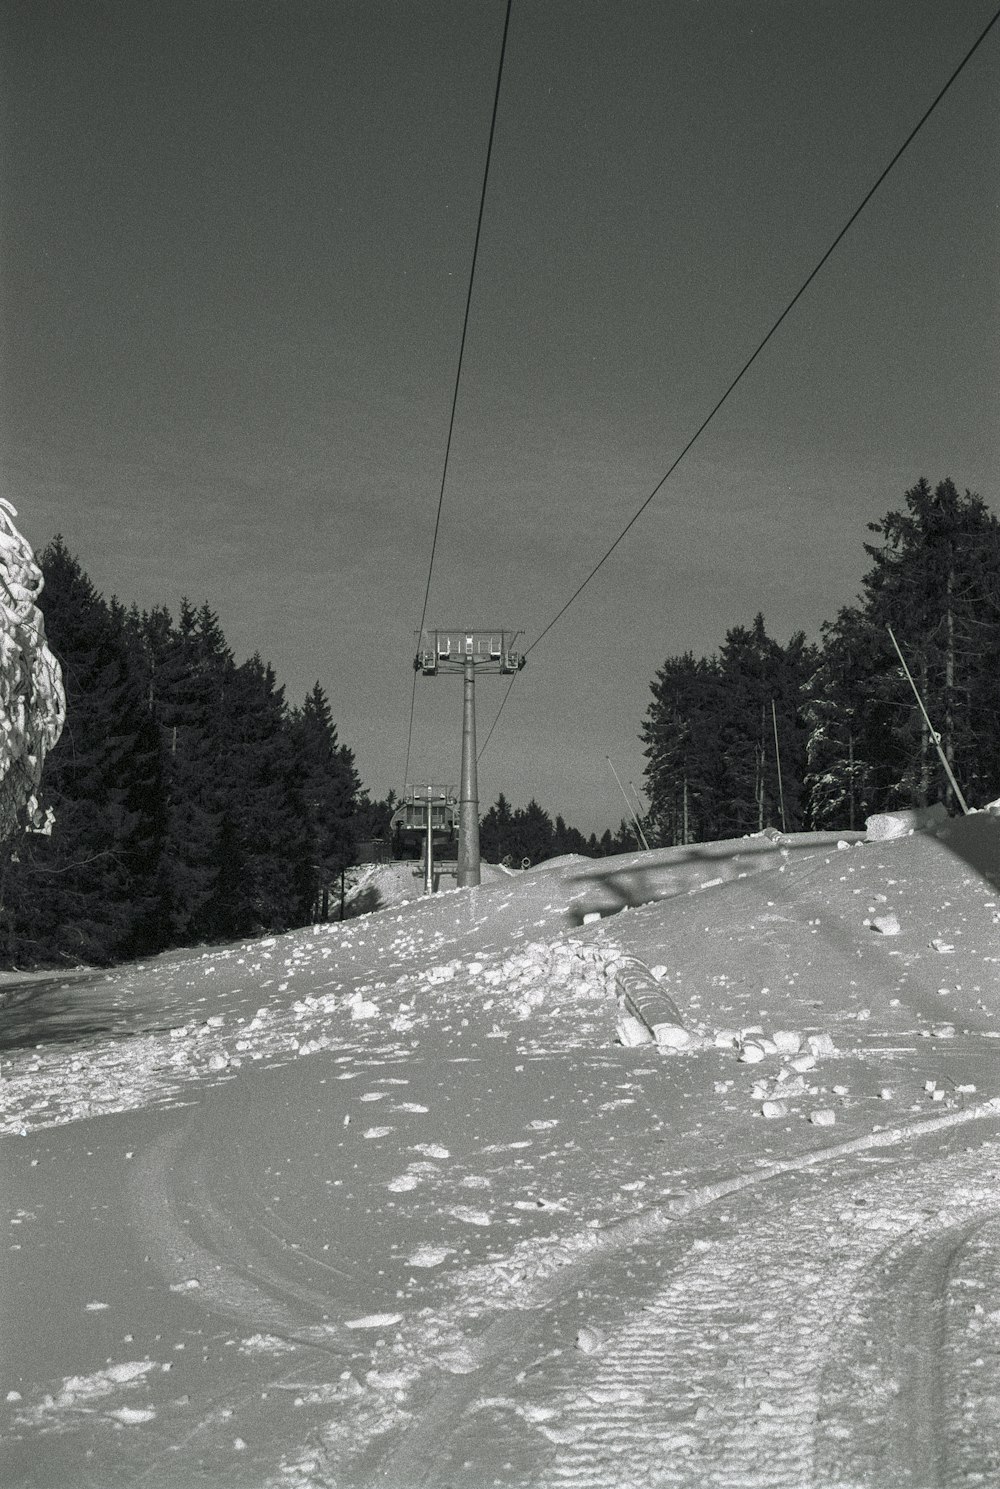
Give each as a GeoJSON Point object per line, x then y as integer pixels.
{"type": "Point", "coordinates": [84, 892]}
{"type": "Point", "coordinates": [935, 579]}
{"type": "Point", "coordinates": [682, 735]}
{"type": "Point", "coordinates": [328, 790]}
{"type": "Point", "coordinates": [262, 838]}
{"type": "Point", "coordinates": [191, 668]}
{"type": "Point", "coordinates": [710, 738]}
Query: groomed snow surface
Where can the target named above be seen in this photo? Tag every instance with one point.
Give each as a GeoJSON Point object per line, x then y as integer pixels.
{"type": "Point", "coordinates": [419, 1199]}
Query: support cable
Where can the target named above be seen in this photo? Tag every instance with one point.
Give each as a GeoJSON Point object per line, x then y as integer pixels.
{"type": "Point", "coordinates": [461, 355]}
{"type": "Point", "coordinates": [752, 359]}
{"type": "Point", "coordinates": [497, 719]}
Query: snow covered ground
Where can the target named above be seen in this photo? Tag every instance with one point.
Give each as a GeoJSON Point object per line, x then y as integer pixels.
{"type": "Point", "coordinates": [402, 1201]}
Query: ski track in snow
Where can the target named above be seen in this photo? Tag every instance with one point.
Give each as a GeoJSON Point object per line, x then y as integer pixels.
{"type": "Point", "coordinates": [734, 1373]}
{"type": "Point", "coordinates": [822, 1318]}
{"type": "Point", "coordinates": [759, 1366]}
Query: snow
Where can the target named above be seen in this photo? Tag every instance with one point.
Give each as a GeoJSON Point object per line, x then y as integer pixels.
{"type": "Point", "coordinates": [512, 1226]}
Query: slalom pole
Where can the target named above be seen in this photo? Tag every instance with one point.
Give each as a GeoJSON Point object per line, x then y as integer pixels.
{"type": "Point", "coordinates": [642, 835]}
{"type": "Point", "coordinates": [935, 736]}
{"type": "Point", "coordinates": [777, 757]}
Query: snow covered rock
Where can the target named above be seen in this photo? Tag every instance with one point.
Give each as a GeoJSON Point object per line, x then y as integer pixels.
{"type": "Point", "coordinates": [885, 825]}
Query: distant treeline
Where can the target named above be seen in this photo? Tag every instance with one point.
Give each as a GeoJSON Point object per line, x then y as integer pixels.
{"type": "Point", "coordinates": [851, 737]}
{"type": "Point", "coordinates": [188, 802]}
{"type": "Point", "coordinates": [515, 834]}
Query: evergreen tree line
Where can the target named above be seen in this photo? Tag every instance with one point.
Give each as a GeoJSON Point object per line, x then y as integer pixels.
{"type": "Point", "coordinates": [190, 802]}
{"type": "Point", "coordinates": [512, 835]}
{"type": "Point", "coordinates": [841, 715]}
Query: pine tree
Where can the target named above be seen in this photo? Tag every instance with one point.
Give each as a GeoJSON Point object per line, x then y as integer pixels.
{"type": "Point", "coordinates": [83, 892]}
{"type": "Point", "coordinates": [191, 668]}
{"type": "Point", "coordinates": [328, 789]}
{"type": "Point", "coordinates": [532, 834]}
{"type": "Point", "coordinates": [935, 579]}
{"type": "Point", "coordinates": [495, 832]}
{"type": "Point", "coordinates": [848, 735]}
{"type": "Point", "coordinates": [262, 837]}
{"type": "Point", "coordinates": [682, 734]}
{"type": "Point", "coordinates": [710, 738]}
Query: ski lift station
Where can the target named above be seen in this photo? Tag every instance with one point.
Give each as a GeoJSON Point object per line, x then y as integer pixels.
{"type": "Point", "coordinates": [409, 821]}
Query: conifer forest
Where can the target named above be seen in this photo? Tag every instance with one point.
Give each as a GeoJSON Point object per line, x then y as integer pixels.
{"type": "Point", "coordinates": [187, 801]}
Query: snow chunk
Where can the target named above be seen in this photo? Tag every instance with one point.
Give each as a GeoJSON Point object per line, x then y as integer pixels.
{"type": "Point", "coordinates": [787, 1041]}
{"type": "Point", "coordinates": [774, 1109]}
{"type": "Point", "coordinates": [132, 1416]}
{"type": "Point", "coordinates": [127, 1371]}
{"type": "Point", "coordinates": [823, 1118]}
{"type": "Point", "coordinates": [432, 1150]}
{"type": "Point", "coordinates": [430, 1256]}
{"type": "Point", "coordinates": [590, 1340]}
{"type": "Point", "coordinates": [373, 1321]}
{"type": "Point", "coordinates": [265, 1344]}
{"type": "Point", "coordinates": [886, 925]}
{"type": "Point", "coordinates": [631, 1031]}
{"type": "Point", "coordinates": [671, 1036]}
{"type": "Point", "coordinates": [884, 826]}
{"type": "Point", "coordinates": [361, 1008]}
{"type": "Point", "coordinates": [470, 1216]}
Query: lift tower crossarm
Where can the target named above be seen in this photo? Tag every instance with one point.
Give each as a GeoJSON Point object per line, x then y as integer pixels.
{"type": "Point", "coordinates": [468, 649]}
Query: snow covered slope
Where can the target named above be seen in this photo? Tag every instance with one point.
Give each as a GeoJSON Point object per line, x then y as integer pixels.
{"type": "Point", "coordinates": [389, 1202]}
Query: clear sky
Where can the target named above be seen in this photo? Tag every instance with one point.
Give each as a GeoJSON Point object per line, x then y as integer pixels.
{"type": "Point", "coordinates": [235, 240]}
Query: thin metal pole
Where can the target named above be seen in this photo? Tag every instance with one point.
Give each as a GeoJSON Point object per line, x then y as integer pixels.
{"type": "Point", "coordinates": [935, 736]}
{"type": "Point", "coordinates": [777, 757]}
{"type": "Point", "coordinates": [468, 805]}
{"type": "Point", "coordinates": [429, 867]}
{"type": "Point", "coordinates": [642, 835]}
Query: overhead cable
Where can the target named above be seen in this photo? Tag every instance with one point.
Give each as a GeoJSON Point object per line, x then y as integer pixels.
{"type": "Point", "coordinates": [496, 721]}
{"type": "Point", "coordinates": [753, 357]}
{"type": "Point", "coordinates": [458, 372]}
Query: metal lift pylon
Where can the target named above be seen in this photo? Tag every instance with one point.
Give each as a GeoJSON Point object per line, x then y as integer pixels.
{"type": "Point", "coordinates": [468, 650]}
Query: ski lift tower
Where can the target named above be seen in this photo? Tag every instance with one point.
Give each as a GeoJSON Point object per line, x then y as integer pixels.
{"type": "Point", "coordinates": [468, 650]}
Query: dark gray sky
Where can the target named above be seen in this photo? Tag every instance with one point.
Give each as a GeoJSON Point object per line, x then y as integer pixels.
{"type": "Point", "coordinates": [236, 238]}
